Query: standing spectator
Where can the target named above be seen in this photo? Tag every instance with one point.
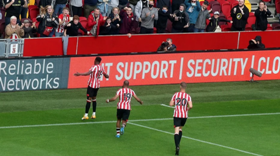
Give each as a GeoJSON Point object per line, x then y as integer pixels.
{"type": "Point", "coordinates": [132, 4]}
{"type": "Point", "coordinates": [113, 4]}
{"type": "Point", "coordinates": [107, 28]}
{"type": "Point", "coordinates": [141, 4]}
{"type": "Point", "coordinates": [239, 14]}
{"type": "Point", "coordinates": [176, 4]}
{"type": "Point", "coordinates": [214, 22]}
{"type": "Point", "coordinates": [163, 16]}
{"type": "Point", "coordinates": [180, 19]}
{"type": "Point", "coordinates": [59, 5]}
{"type": "Point", "coordinates": [148, 16]}
{"type": "Point", "coordinates": [29, 31]}
{"type": "Point", "coordinates": [13, 30]}
{"type": "Point", "coordinates": [23, 10]}
{"type": "Point", "coordinates": [72, 28]}
{"type": "Point", "coordinates": [95, 20]}
{"type": "Point", "coordinates": [89, 6]}
{"type": "Point", "coordinates": [44, 3]}
{"type": "Point", "coordinates": [193, 10]}
{"type": "Point", "coordinates": [201, 20]}
{"type": "Point", "coordinates": [48, 23]}
{"type": "Point", "coordinates": [123, 4]}
{"type": "Point", "coordinates": [164, 3]}
{"type": "Point", "coordinates": [261, 17]}
{"type": "Point", "coordinates": [76, 6]}
{"type": "Point", "coordinates": [116, 20]}
{"type": "Point", "coordinates": [13, 8]}
{"type": "Point", "coordinates": [63, 20]}
{"type": "Point", "coordinates": [103, 6]}
{"type": "Point", "coordinates": [129, 23]}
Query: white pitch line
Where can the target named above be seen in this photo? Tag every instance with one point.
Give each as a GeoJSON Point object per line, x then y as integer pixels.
{"type": "Point", "coordinates": [166, 105]}
{"type": "Point", "coordinates": [206, 142]}
{"type": "Point", "coordinates": [158, 119]}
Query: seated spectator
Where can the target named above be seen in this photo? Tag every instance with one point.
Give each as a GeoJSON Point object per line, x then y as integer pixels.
{"type": "Point", "coordinates": [214, 22]}
{"type": "Point", "coordinates": [59, 6]}
{"type": "Point", "coordinates": [167, 46]}
{"type": "Point", "coordinates": [95, 20]}
{"type": "Point", "coordinates": [103, 6]}
{"type": "Point", "coordinates": [256, 43]}
{"type": "Point", "coordinates": [107, 28]}
{"type": "Point", "coordinates": [180, 19]}
{"type": "Point", "coordinates": [48, 23]}
{"type": "Point", "coordinates": [13, 8]}
{"type": "Point", "coordinates": [163, 16]}
{"type": "Point", "coordinates": [148, 17]}
{"type": "Point", "coordinates": [76, 6]}
{"type": "Point", "coordinates": [13, 30]}
{"type": "Point", "coordinates": [193, 9]}
{"type": "Point", "coordinates": [239, 14]}
{"type": "Point", "coordinates": [261, 17]}
{"type": "Point", "coordinates": [129, 24]}
{"type": "Point", "coordinates": [116, 20]}
{"type": "Point", "coordinates": [63, 20]}
{"type": "Point", "coordinates": [141, 4]}
{"type": "Point", "coordinates": [72, 28]}
{"type": "Point", "coordinates": [89, 6]}
{"type": "Point", "coordinates": [202, 16]}
{"type": "Point", "coordinates": [29, 30]}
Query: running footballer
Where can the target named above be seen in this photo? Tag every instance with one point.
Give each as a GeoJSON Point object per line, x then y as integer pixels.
{"type": "Point", "coordinates": [95, 73]}
{"type": "Point", "coordinates": [123, 110]}
{"type": "Point", "coordinates": [183, 104]}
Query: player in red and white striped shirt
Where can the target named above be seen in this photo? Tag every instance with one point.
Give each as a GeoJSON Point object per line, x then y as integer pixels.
{"type": "Point", "coordinates": [183, 103]}
{"type": "Point", "coordinates": [123, 110]}
{"type": "Point", "coordinates": [95, 72]}
{"type": "Point", "coordinates": [64, 19]}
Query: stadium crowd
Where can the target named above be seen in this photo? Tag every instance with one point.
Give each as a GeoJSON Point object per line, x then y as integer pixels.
{"type": "Point", "coordinates": [111, 17]}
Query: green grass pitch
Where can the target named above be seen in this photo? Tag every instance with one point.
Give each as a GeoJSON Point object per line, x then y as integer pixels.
{"type": "Point", "coordinates": [228, 119]}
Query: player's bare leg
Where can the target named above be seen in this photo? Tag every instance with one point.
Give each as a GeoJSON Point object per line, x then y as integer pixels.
{"type": "Point", "coordinates": [85, 117]}
{"type": "Point", "coordinates": [177, 139]}
{"type": "Point", "coordinates": [118, 128]}
{"type": "Point", "coordinates": [123, 126]}
{"type": "Point", "coordinates": [93, 108]}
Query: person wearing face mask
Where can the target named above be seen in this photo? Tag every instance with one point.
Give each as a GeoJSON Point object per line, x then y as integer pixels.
{"type": "Point", "coordinates": [163, 16]}
{"type": "Point", "coordinates": [162, 3]}
{"type": "Point", "coordinates": [201, 20]}
{"type": "Point", "coordinates": [138, 9]}
{"type": "Point", "coordinates": [180, 19]}
{"type": "Point", "coordinates": [193, 9]}
{"type": "Point", "coordinates": [261, 17]}
{"type": "Point", "coordinates": [148, 16]}
{"type": "Point", "coordinates": [239, 14]}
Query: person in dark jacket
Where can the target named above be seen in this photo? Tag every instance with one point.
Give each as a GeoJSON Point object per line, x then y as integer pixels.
{"type": "Point", "coordinates": [176, 4]}
{"type": "Point", "coordinates": [107, 28]}
{"type": "Point", "coordinates": [239, 14]}
{"type": "Point", "coordinates": [49, 21]}
{"type": "Point", "coordinates": [163, 16]}
{"type": "Point", "coordinates": [129, 23]}
{"type": "Point", "coordinates": [256, 43]}
{"type": "Point", "coordinates": [29, 31]}
{"type": "Point", "coordinates": [72, 28]}
{"type": "Point", "coordinates": [214, 22]}
{"type": "Point", "coordinates": [116, 20]}
{"type": "Point", "coordinates": [180, 19]}
{"type": "Point", "coordinates": [261, 17]}
{"type": "Point", "coordinates": [164, 3]}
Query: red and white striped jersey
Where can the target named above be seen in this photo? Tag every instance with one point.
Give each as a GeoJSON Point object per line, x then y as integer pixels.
{"type": "Point", "coordinates": [181, 100]}
{"type": "Point", "coordinates": [60, 28]}
{"type": "Point", "coordinates": [94, 78]}
{"type": "Point", "coordinates": [125, 95]}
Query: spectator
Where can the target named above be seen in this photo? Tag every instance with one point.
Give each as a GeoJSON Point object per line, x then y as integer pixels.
{"type": "Point", "coordinates": [167, 46]}
{"type": "Point", "coordinates": [63, 20]}
{"type": "Point", "coordinates": [76, 6]}
{"type": "Point", "coordinates": [23, 10]}
{"type": "Point", "coordinates": [13, 30]}
{"type": "Point", "coordinates": [44, 3]}
{"type": "Point", "coordinates": [103, 6]}
{"type": "Point", "coordinates": [193, 10]}
{"type": "Point", "coordinates": [29, 31]}
{"type": "Point", "coordinates": [59, 5]}
{"type": "Point", "coordinates": [116, 20]}
{"type": "Point", "coordinates": [72, 28]}
{"type": "Point", "coordinates": [89, 6]}
{"type": "Point", "coordinates": [95, 20]}
{"type": "Point", "coordinates": [123, 4]}
{"type": "Point", "coordinates": [141, 4]}
{"type": "Point", "coordinates": [201, 20]}
{"type": "Point", "coordinates": [148, 16]}
{"type": "Point", "coordinates": [261, 17]}
{"type": "Point", "coordinates": [162, 47]}
{"type": "Point", "coordinates": [129, 23]}
{"type": "Point", "coordinates": [48, 22]}
{"type": "Point", "coordinates": [214, 22]}
{"type": "Point", "coordinates": [163, 16]}
{"type": "Point", "coordinates": [132, 4]}
{"type": "Point", "coordinates": [180, 19]}
{"type": "Point", "coordinates": [13, 8]}
{"type": "Point", "coordinates": [107, 28]}
{"type": "Point", "coordinates": [256, 43]}
{"type": "Point", "coordinates": [176, 4]}
{"type": "Point", "coordinates": [165, 3]}
{"type": "Point", "coordinates": [239, 14]}
{"type": "Point", "coordinates": [113, 4]}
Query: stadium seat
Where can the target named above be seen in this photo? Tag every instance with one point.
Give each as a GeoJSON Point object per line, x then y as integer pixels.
{"type": "Point", "coordinates": [234, 3]}
{"type": "Point", "coordinates": [224, 17]}
{"type": "Point", "coordinates": [269, 27]}
{"type": "Point", "coordinates": [225, 27]}
{"type": "Point", "coordinates": [201, 2]}
{"type": "Point", "coordinates": [83, 21]}
{"type": "Point", "coordinates": [226, 8]}
{"type": "Point", "coordinates": [216, 6]}
{"type": "Point", "coordinates": [33, 12]}
{"type": "Point", "coordinates": [277, 6]}
{"type": "Point", "coordinates": [276, 26]}
{"type": "Point", "coordinates": [252, 19]}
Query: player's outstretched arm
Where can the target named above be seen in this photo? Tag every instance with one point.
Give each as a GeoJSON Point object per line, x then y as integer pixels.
{"type": "Point", "coordinates": [83, 74]}
{"type": "Point", "coordinates": [141, 102]}
{"type": "Point", "coordinates": [190, 105]}
{"type": "Point", "coordinates": [171, 103]}
{"type": "Point", "coordinates": [106, 76]}
{"type": "Point", "coordinates": [112, 99]}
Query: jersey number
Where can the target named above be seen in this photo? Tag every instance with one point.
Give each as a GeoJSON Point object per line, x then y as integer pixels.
{"type": "Point", "coordinates": [127, 96]}
{"type": "Point", "coordinates": [179, 101]}
{"type": "Point", "coordinates": [99, 74]}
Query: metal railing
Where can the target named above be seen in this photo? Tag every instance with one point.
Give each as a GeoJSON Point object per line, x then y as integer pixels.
{"type": "Point", "coordinates": [11, 48]}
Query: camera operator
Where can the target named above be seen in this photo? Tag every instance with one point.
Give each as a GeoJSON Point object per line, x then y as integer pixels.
{"type": "Point", "coordinates": [256, 43]}
{"type": "Point", "coordinates": [167, 46]}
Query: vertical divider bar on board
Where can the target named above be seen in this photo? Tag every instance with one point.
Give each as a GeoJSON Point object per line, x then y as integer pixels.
{"type": "Point", "coordinates": [238, 39]}
{"type": "Point", "coordinates": [77, 45]}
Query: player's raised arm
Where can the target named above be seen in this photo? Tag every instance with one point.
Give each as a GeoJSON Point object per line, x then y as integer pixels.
{"type": "Point", "coordinates": [141, 102]}
{"type": "Point", "coordinates": [190, 105]}
{"type": "Point", "coordinates": [112, 99]}
{"type": "Point", "coordinates": [106, 75]}
{"type": "Point", "coordinates": [83, 74]}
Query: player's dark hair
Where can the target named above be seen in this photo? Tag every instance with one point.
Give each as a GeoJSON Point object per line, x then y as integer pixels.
{"type": "Point", "coordinates": [126, 83]}
{"type": "Point", "coordinates": [183, 85]}
{"type": "Point", "coordinates": [98, 59]}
